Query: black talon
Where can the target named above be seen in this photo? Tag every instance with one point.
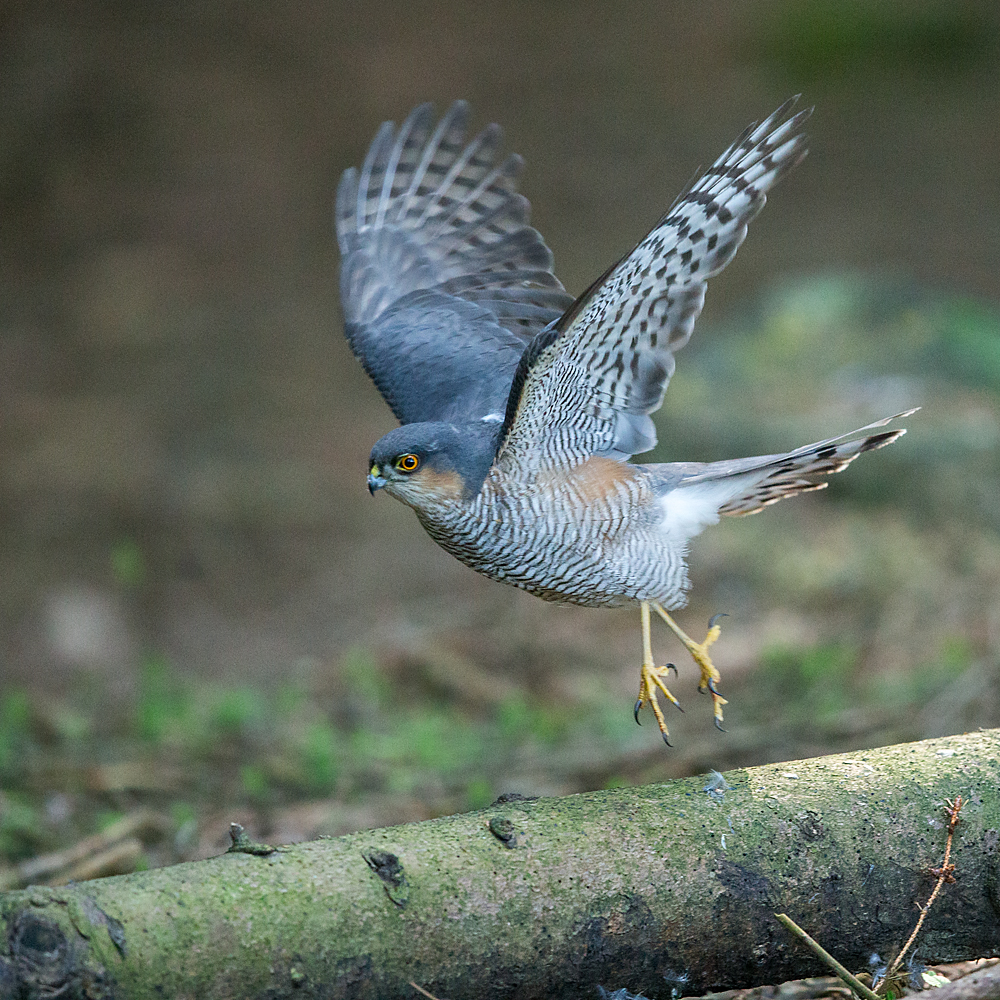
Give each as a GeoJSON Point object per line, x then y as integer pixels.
{"type": "Point", "coordinates": [673, 667]}
{"type": "Point", "coordinates": [665, 740]}
{"type": "Point", "coordinates": [713, 688]}
{"type": "Point", "coordinates": [638, 705]}
{"type": "Point", "coordinates": [718, 725]}
{"type": "Point", "coordinates": [679, 709]}
{"type": "Point", "coordinates": [715, 618]}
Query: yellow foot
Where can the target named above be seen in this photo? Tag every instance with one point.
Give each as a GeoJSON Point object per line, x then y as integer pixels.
{"type": "Point", "coordinates": [710, 677]}
{"type": "Point", "coordinates": [651, 680]}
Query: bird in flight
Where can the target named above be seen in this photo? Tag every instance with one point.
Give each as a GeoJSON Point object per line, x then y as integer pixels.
{"type": "Point", "coordinates": [520, 406]}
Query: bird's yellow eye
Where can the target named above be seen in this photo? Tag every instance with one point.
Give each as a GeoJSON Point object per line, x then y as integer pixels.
{"type": "Point", "coordinates": [407, 463]}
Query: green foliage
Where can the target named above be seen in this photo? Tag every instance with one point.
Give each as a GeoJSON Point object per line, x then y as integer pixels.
{"type": "Point", "coordinates": [923, 681]}
{"type": "Point", "coordinates": [519, 720]}
{"type": "Point", "coordinates": [71, 725]}
{"type": "Point", "coordinates": [128, 565]}
{"type": "Point", "coordinates": [238, 710]}
{"type": "Point", "coordinates": [956, 656]}
{"type": "Point", "coordinates": [478, 794]}
{"type": "Point", "coordinates": [15, 726]}
{"type": "Point", "coordinates": [21, 830]}
{"type": "Point", "coordinates": [254, 782]}
{"type": "Point", "coordinates": [163, 703]}
{"type": "Point", "coordinates": [968, 342]}
{"type": "Point", "coordinates": [815, 680]}
{"type": "Point", "coordinates": [364, 680]}
{"type": "Point", "coordinates": [857, 38]}
{"type": "Point", "coordinates": [106, 818]}
{"type": "Point", "coordinates": [319, 755]}
{"type": "Point", "coordinates": [182, 812]}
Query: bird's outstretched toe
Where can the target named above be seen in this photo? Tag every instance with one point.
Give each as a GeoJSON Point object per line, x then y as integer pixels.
{"type": "Point", "coordinates": [710, 676]}
{"type": "Point", "coordinates": [651, 681]}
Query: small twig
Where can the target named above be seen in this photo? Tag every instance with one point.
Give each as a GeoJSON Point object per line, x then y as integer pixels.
{"type": "Point", "coordinates": [119, 859]}
{"type": "Point", "coordinates": [420, 989]}
{"type": "Point", "coordinates": [144, 824]}
{"type": "Point", "coordinates": [944, 874]}
{"type": "Point", "coordinates": [851, 980]}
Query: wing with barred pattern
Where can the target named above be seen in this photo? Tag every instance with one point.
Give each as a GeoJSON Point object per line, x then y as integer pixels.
{"type": "Point", "coordinates": [443, 282]}
{"type": "Point", "coordinates": [587, 385]}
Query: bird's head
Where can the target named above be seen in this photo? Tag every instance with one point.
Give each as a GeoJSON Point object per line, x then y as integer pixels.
{"type": "Point", "coordinates": [427, 463]}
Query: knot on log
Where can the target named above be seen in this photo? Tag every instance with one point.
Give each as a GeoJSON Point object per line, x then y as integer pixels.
{"type": "Point", "coordinates": [389, 869]}
{"type": "Point", "coordinates": [44, 962]}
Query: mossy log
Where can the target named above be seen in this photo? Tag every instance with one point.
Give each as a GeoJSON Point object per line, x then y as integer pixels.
{"type": "Point", "coordinates": [663, 888]}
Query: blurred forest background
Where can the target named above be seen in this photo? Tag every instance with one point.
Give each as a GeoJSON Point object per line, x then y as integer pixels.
{"type": "Point", "coordinates": [204, 617]}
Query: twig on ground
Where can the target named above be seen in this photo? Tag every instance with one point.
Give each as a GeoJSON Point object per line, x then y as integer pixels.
{"type": "Point", "coordinates": [944, 874]}
{"type": "Point", "coordinates": [958, 970]}
{"type": "Point", "coordinates": [420, 989]}
{"type": "Point", "coordinates": [849, 978]}
{"type": "Point", "coordinates": [119, 859]}
{"type": "Point", "coordinates": [91, 853]}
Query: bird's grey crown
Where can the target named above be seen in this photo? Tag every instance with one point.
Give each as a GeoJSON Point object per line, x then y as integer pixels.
{"type": "Point", "coordinates": [443, 282]}
{"type": "Point", "coordinates": [466, 448]}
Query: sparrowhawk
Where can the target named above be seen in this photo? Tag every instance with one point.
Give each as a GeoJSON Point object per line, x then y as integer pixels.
{"type": "Point", "coordinates": [520, 406]}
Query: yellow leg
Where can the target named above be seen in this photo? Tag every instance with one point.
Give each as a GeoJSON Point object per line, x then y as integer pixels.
{"type": "Point", "coordinates": [699, 650]}
{"type": "Point", "coordinates": [651, 678]}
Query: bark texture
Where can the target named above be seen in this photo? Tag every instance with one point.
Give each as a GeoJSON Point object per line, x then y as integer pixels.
{"type": "Point", "coordinates": [662, 888]}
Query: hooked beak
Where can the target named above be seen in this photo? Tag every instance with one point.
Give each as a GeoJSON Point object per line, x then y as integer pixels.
{"type": "Point", "coordinates": [375, 481]}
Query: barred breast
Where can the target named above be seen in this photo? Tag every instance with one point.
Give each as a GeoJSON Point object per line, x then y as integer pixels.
{"type": "Point", "coordinates": [589, 535]}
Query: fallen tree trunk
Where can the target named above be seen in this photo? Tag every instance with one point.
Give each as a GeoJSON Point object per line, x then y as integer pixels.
{"type": "Point", "coordinates": [659, 888]}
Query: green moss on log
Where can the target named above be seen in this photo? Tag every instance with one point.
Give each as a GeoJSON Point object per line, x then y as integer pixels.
{"type": "Point", "coordinates": [638, 887]}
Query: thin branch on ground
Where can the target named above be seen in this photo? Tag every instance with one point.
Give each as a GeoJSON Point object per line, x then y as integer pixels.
{"type": "Point", "coordinates": [420, 989]}
{"type": "Point", "coordinates": [944, 874]}
{"type": "Point", "coordinates": [104, 853]}
{"type": "Point", "coordinates": [848, 977]}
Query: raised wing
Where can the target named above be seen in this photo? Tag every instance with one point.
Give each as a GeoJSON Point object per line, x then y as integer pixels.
{"type": "Point", "coordinates": [587, 385]}
{"type": "Point", "coordinates": [443, 282]}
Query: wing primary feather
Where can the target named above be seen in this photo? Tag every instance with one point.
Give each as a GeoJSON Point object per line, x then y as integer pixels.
{"type": "Point", "coordinates": [372, 165]}
{"type": "Point", "coordinates": [345, 213]}
{"type": "Point", "coordinates": [479, 153]}
{"type": "Point", "coordinates": [516, 209]}
{"type": "Point", "coordinates": [452, 125]}
{"type": "Point", "coordinates": [443, 281]}
{"type": "Point", "coordinates": [533, 279]}
{"type": "Point", "coordinates": [506, 174]}
{"type": "Point", "coordinates": [412, 131]}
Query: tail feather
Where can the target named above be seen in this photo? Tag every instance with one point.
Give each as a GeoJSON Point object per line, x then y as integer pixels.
{"type": "Point", "coordinates": [766, 479]}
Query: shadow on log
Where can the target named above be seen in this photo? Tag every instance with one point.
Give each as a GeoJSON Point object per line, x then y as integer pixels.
{"type": "Point", "coordinates": [658, 888]}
